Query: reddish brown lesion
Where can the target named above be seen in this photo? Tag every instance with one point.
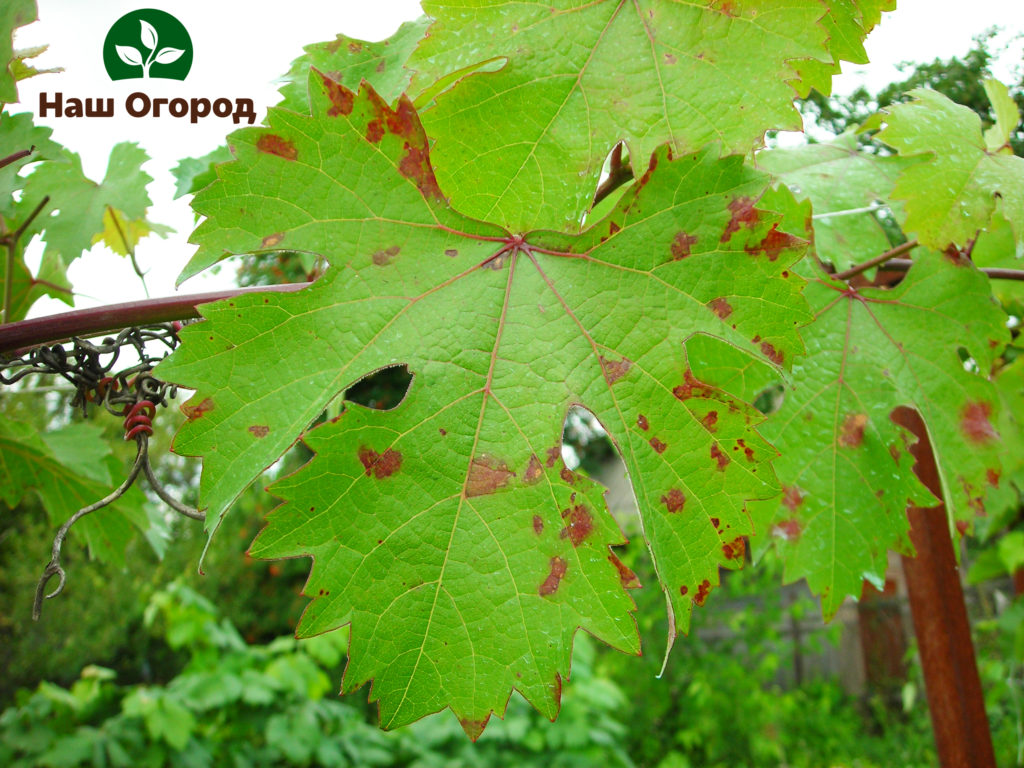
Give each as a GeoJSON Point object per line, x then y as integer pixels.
{"type": "Point", "coordinates": [682, 245]}
{"type": "Point", "coordinates": [538, 525]}
{"type": "Point", "coordinates": [533, 470]}
{"type": "Point", "coordinates": [787, 530]}
{"type": "Point", "coordinates": [486, 475]}
{"type": "Point", "coordinates": [379, 465]}
{"type": "Point", "coordinates": [627, 578]}
{"type": "Point", "coordinates": [271, 240]}
{"type": "Point", "coordinates": [272, 144]}
{"type": "Point", "coordinates": [792, 497]}
{"type": "Point", "coordinates": [742, 214]}
{"type": "Point", "coordinates": [691, 387]}
{"type": "Point", "coordinates": [703, 590]}
{"type": "Point", "coordinates": [193, 412]}
{"type": "Point", "coordinates": [721, 307]}
{"type": "Point", "coordinates": [385, 256]}
{"type": "Point", "coordinates": [579, 525]}
{"type": "Point", "coordinates": [851, 433]}
{"type": "Point", "coordinates": [710, 421]}
{"type": "Point", "coordinates": [674, 500]}
{"type": "Point", "coordinates": [774, 243]}
{"type": "Point", "coordinates": [614, 369]}
{"type": "Point", "coordinates": [658, 445]}
{"type": "Point", "coordinates": [641, 421]}
{"type": "Point", "coordinates": [721, 459]}
{"type": "Point", "coordinates": [976, 424]}
{"type": "Point", "coordinates": [735, 549]}
{"type": "Point", "coordinates": [556, 571]}
{"type": "Point", "coordinates": [259, 430]}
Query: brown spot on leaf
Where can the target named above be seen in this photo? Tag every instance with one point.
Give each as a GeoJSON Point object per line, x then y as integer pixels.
{"type": "Point", "coordinates": [647, 174]}
{"type": "Point", "coordinates": [580, 525]}
{"type": "Point", "coordinates": [962, 526]}
{"type": "Point", "coordinates": [690, 387]}
{"type": "Point", "coordinates": [851, 434]}
{"type": "Point", "coordinates": [992, 475]}
{"type": "Point", "coordinates": [681, 245]}
{"type": "Point", "coordinates": [683, 590]}
{"type": "Point", "coordinates": [272, 144]}
{"type": "Point", "coordinates": [743, 215]}
{"type": "Point", "coordinates": [355, 46]}
{"type": "Point", "coordinates": [627, 578]}
{"type": "Point", "coordinates": [614, 369]}
{"type": "Point", "coordinates": [710, 421]}
{"type": "Point", "coordinates": [792, 497]}
{"type": "Point", "coordinates": [193, 412]}
{"type": "Point", "coordinates": [259, 430]}
{"type": "Point", "coordinates": [380, 465]}
{"type": "Point", "coordinates": [674, 500]}
{"type": "Point", "coordinates": [374, 131]}
{"type": "Point", "coordinates": [554, 454]}
{"type": "Point", "coordinates": [486, 475]}
{"type": "Point", "coordinates": [719, 456]}
{"type": "Point", "coordinates": [567, 475]}
{"type": "Point", "coordinates": [735, 549]}
{"type": "Point", "coordinates": [415, 166]}
{"type": "Point", "coordinates": [715, 522]}
{"type": "Point", "coordinates": [657, 445]}
{"type": "Point", "coordinates": [341, 98]}
{"type": "Point", "coordinates": [381, 66]}
{"type": "Point", "coordinates": [386, 255]}
{"type": "Point", "coordinates": [894, 451]}
{"type": "Point", "coordinates": [787, 530]}
{"type": "Point", "coordinates": [670, 59]}
{"type": "Point", "coordinates": [555, 574]}
{"type": "Point", "coordinates": [641, 421]}
{"type": "Point", "coordinates": [747, 450]}
{"type": "Point", "coordinates": [533, 470]}
{"type": "Point", "coordinates": [772, 353]}
{"type": "Point", "coordinates": [613, 228]}
{"type": "Point", "coordinates": [703, 590]}
{"type": "Point", "coordinates": [271, 240]}
{"type": "Point", "coordinates": [721, 307]}
{"type": "Point", "coordinates": [451, 253]}
{"type": "Point", "coordinates": [975, 423]}
{"type": "Point", "coordinates": [473, 728]}
{"type": "Point", "coordinates": [774, 243]}
{"type": "Point", "coordinates": [538, 524]}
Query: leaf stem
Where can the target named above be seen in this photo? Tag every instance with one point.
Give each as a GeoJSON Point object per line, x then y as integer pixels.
{"type": "Point", "coordinates": [892, 253]}
{"type": "Point", "coordinates": [995, 273]}
{"type": "Point", "coordinates": [5, 161]}
{"type": "Point", "coordinates": [11, 243]}
{"type": "Point", "coordinates": [129, 249]}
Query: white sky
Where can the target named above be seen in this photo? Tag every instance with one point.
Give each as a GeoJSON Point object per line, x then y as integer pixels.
{"type": "Point", "coordinates": [241, 50]}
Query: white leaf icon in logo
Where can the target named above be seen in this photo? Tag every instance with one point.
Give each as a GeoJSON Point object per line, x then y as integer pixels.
{"type": "Point", "coordinates": [169, 55]}
{"type": "Point", "coordinates": [148, 35]}
{"type": "Point", "coordinates": [129, 55]}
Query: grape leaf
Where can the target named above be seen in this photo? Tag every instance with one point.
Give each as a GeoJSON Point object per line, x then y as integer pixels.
{"type": "Point", "coordinates": [193, 173]}
{"type": "Point", "coordinates": [578, 77]}
{"type": "Point", "coordinates": [69, 469]}
{"type": "Point", "coordinates": [845, 469]}
{"type": "Point", "coordinates": [17, 134]}
{"type": "Point", "coordinates": [350, 61]}
{"type": "Point", "coordinates": [952, 195]}
{"type": "Point", "coordinates": [80, 204]}
{"type": "Point", "coordinates": [839, 178]}
{"type": "Point", "coordinates": [997, 247]}
{"type": "Point", "coordinates": [13, 14]}
{"type": "Point", "coordinates": [448, 531]}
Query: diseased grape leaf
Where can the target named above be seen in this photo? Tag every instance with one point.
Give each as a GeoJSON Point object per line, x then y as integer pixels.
{"type": "Point", "coordinates": [69, 469]}
{"type": "Point", "coordinates": [845, 469]}
{"type": "Point", "coordinates": [448, 531]}
{"type": "Point", "coordinates": [523, 146]}
{"type": "Point", "coordinates": [953, 194]}
{"type": "Point", "coordinates": [349, 61]}
{"type": "Point", "coordinates": [838, 177]}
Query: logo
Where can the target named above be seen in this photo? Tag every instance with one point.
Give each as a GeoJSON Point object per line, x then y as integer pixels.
{"type": "Point", "coordinates": [147, 43]}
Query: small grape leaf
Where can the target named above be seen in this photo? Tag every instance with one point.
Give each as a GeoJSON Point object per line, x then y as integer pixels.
{"type": "Point", "coordinates": [350, 61]}
{"type": "Point", "coordinates": [22, 70]}
{"type": "Point", "coordinates": [845, 468]}
{"type": "Point", "coordinates": [193, 173]}
{"type": "Point", "coordinates": [70, 469]}
{"type": "Point", "coordinates": [997, 137]}
{"type": "Point", "coordinates": [13, 14]}
{"type": "Point", "coordinates": [448, 531]}
{"type": "Point", "coordinates": [953, 194]}
{"type": "Point", "coordinates": [75, 214]}
{"type": "Point", "coordinates": [839, 178]}
{"type": "Point", "coordinates": [580, 77]}
{"type": "Point", "coordinates": [17, 134]}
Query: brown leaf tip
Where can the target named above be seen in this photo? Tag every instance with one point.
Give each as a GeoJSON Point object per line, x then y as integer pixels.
{"type": "Point", "coordinates": [272, 144]}
{"type": "Point", "coordinates": [580, 525]}
{"type": "Point", "coordinates": [627, 578]}
{"type": "Point", "coordinates": [976, 424]}
{"type": "Point", "coordinates": [682, 245]}
{"type": "Point", "coordinates": [614, 369]}
{"type": "Point", "coordinates": [380, 465]}
{"type": "Point", "coordinates": [259, 430]}
{"type": "Point", "coordinates": [473, 728]}
{"type": "Point", "coordinates": [341, 98]}
{"type": "Point", "coordinates": [556, 571]}
{"type": "Point", "coordinates": [851, 433]}
{"type": "Point", "coordinates": [486, 475]}
{"type": "Point", "coordinates": [674, 500]}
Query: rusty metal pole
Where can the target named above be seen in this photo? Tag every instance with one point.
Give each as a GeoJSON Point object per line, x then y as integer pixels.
{"type": "Point", "coordinates": [955, 699]}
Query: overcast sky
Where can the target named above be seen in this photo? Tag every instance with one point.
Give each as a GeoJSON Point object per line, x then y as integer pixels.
{"type": "Point", "coordinates": [241, 48]}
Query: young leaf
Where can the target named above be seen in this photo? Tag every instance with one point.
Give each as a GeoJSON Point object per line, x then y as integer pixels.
{"type": "Point", "coordinates": [448, 531]}
{"type": "Point", "coordinates": [147, 35]}
{"type": "Point", "coordinates": [524, 146]}
{"type": "Point", "coordinates": [952, 195]}
{"type": "Point", "coordinates": [844, 465]}
{"type": "Point", "coordinates": [169, 55]}
{"type": "Point", "coordinates": [129, 55]}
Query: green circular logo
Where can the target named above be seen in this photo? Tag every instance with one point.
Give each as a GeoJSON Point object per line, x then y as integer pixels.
{"type": "Point", "coordinates": [147, 43]}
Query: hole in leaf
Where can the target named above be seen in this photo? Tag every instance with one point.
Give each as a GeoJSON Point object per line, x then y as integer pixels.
{"type": "Point", "coordinates": [381, 390]}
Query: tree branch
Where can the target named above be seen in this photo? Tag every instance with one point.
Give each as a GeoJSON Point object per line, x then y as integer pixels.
{"type": "Point", "coordinates": [892, 253]}
{"type": "Point", "coordinates": [113, 317]}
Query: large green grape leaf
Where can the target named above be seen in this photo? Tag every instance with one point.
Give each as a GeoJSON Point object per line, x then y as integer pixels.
{"type": "Point", "coordinates": [841, 181]}
{"type": "Point", "coordinates": [952, 195]}
{"type": "Point", "coordinates": [69, 469]}
{"type": "Point", "coordinates": [349, 61]}
{"type": "Point", "coordinates": [78, 207]}
{"type": "Point", "coordinates": [844, 467]}
{"type": "Point", "coordinates": [524, 146]}
{"type": "Point", "coordinates": [448, 531]}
